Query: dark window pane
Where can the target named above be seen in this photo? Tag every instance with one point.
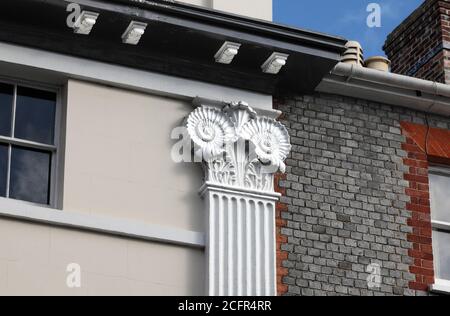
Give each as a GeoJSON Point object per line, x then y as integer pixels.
{"type": "Point", "coordinates": [6, 104]}
{"type": "Point", "coordinates": [35, 115]}
{"type": "Point", "coordinates": [30, 175]}
{"type": "Point", "coordinates": [3, 168]}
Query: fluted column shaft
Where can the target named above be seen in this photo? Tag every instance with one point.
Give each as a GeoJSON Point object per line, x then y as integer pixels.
{"type": "Point", "coordinates": [241, 255]}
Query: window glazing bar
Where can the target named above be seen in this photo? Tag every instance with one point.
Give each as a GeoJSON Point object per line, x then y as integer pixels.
{"type": "Point", "coordinates": [441, 225]}
{"type": "Point", "coordinates": [8, 171]}
{"type": "Point", "coordinates": [438, 170]}
{"type": "Point", "coordinates": [27, 143]}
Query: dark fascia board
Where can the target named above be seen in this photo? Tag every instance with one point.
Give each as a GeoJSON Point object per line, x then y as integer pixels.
{"type": "Point", "coordinates": [312, 55]}
{"type": "Point", "coordinates": [230, 25]}
{"type": "Point", "coordinates": [267, 28]}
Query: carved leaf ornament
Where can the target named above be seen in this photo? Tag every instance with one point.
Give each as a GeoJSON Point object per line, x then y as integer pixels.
{"type": "Point", "coordinates": [238, 147]}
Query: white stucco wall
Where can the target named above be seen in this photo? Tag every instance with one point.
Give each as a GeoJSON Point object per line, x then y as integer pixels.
{"type": "Point", "coordinates": [117, 165]}
{"type": "Point", "coordinates": [118, 158]}
{"type": "Point", "coordinates": [34, 259]}
{"type": "Point", "coordinates": [260, 9]}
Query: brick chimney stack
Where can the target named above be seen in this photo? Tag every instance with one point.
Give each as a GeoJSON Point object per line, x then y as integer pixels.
{"type": "Point", "coordinates": [420, 46]}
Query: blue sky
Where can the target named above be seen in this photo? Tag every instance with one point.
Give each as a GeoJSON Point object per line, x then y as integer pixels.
{"type": "Point", "coordinates": [346, 18]}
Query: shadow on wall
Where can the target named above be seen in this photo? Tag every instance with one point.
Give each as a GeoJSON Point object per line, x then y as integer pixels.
{"type": "Point", "coordinates": [181, 143]}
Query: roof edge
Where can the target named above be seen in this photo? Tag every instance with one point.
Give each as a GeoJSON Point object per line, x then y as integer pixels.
{"type": "Point", "coordinates": [267, 28]}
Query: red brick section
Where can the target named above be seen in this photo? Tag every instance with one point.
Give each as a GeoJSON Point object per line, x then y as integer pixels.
{"type": "Point", "coordinates": [280, 223]}
{"type": "Point", "coordinates": [437, 147]}
{"type": "Point", "coordinates": [420, 220]}
{"type": "Point", "coordinates": [423, 145]}
{"type": "Point", "coordinates": [416, 47]}
{"type": "Point", "coordinates": [281, 239]}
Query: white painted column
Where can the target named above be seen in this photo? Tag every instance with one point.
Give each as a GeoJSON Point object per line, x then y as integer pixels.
{"type": "Point", "coordinates": [240, 151]}
{"type": "Point", "coordinates": [240, 242]}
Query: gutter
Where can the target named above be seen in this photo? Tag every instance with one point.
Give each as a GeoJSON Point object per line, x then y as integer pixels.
{"type": "Point", "coordinates": [385, 87]}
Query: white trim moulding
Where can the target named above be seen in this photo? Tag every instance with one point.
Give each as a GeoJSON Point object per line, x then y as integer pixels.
{"type": "Point", "coordinates": [441, 287]}
{"type": "Point", "coordinates": [100, 224]}
{"type": "Point", "coordinates": [241, 192]}
{"type": "Point", "coordinates": [440, 225]}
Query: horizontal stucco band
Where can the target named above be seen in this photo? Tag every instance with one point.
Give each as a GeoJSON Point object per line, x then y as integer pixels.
{"type": "Point", "coordinates": [100, 224]}
{"type": "Point", "coordinates": [127, 78]}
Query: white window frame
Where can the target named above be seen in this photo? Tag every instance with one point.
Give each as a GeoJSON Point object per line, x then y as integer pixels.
{"type": "Point", "coordinates": [441, 285]}
{"type": "Point", "coordinates": [56, 149]}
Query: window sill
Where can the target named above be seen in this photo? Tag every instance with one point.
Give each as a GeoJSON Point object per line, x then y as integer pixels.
{"type": "Point", "coordinates": [101, 224]}
{"type": "Point", "coordinates": [441, 287]}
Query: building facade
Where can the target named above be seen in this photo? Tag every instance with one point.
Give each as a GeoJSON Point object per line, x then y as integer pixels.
{"type": "Point", "coordinates": [357, 199]}
{"type": "Point", "coordinates": [365, 210]}
{"type": "Point", "coordinates": [94, 101]}
{"type": "Point", "coordinates": [168, 148]}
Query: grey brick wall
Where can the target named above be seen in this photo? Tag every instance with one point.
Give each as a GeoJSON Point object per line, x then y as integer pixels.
{"type": "Point", "coordinates": [345, 192]}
